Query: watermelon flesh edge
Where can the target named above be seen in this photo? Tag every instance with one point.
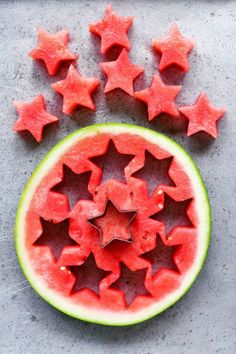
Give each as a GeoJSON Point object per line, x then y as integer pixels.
{"type": "Point", "coordinates": [143, 307]}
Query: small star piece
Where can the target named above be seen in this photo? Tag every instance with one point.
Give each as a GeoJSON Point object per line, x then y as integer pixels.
{"type": "Point", "coordinates": [33, 117]}
{"type": "Point", "coordinates": [113, 224]}
{"type": "Point", "coordinates": [174, 50]}
{"type": "Point", "coordinates": [52, 49]}
{"type": "Point", "coordinates": [55, 236]}
{"type": "Point", "coordinates": [112, 163]}
{"type": "Point", "coordinates": [112, 30]}
{"type": "Point", "coordinates": [121, 73]}
{"type": "Point", "coordinates": [159, 98]}
{"type": "Point", "coordinates": [202, 116]}
{"type": "Point", "coordinates": [76, 90]}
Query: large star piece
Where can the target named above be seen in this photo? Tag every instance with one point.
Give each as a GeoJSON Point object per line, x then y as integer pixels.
{"type": "Point", "coordinates": [87, 275]}
{"type": "Point", "coordinates": [112, 30]}
{"type": "Point", "coordinates": [173, 214]}
{"type": "Point", "coordinates": [174, 49]}
{"type": "Point", "coordinates": [202, 116]}
{"type": "Point", "coordinates": [52, 49]}
{"type": "Point", "coordinates": [159, 98]}
{"type": "Point", "coordinates": [154, 172]}
{"type": "Point", "coordinates": [113, 224]}
{"type": "Point", "coordinates": [74, 185]}
{"type": "Point", "coordinates": [121, 73]}
{"type": "Point", "coordinates": [55, 236]}
{"type": "Point", "coordinates": [33, 117]}
{"type": "Point", "coordinates": [76, 90]}
{"type": "Point", "coordinates": [112, 163]}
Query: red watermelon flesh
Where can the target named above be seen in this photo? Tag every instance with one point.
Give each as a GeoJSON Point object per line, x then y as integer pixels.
{"type": "Point", "coordinates": [153, 275]}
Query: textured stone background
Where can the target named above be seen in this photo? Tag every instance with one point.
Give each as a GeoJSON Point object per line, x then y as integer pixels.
{"type": "Point", "coordinates": [204, 320]}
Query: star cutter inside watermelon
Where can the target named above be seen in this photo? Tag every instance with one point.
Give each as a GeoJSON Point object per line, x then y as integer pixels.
{"type": "Point", "coordinates": [124, 233]}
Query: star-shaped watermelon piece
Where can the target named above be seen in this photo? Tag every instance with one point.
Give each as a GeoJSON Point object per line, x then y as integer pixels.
{"type": "Point", "coordinates": [159, 98]}
{"type": "Point", "coordinates": [174, 49]}
{"type": "Point", "coordinates": [113, 224]}
{"type": "Point", "coordinates": [33, 117]}
{"type": "Point", "coordinates": [112, 30]}
{"type": "Point", "coordinates": [52, 49]}
{"type": "Point", "coordinates": [202, 116]}
{"type": "Point", "coordinates": [121, 73]}
{"type": "Point", "coordinates": [76, 90]}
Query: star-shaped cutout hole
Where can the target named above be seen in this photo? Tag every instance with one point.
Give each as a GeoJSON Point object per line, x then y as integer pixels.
{"type": "Point", "coordinates": [113, 224]}
{"type": "Point", "coordinates": [161, 256]}
{"type": "Point", "coordinates": [87, 275]}
{"type": "Point", "coordinates": [52, 49]}
{"type": "Point", "coordinates": [131, 283]}
{"type": "Point", "coordinates": [112, 30]}
{"type": "Point", "coordinates": [112, 163]}
{"type": "Point", "coordinates": [159, 98]}
{"type": "Point", "coordinates": [121, 73]}
{"type": "Point", "coordinates": [74, 186]}
{"type": "Point", "coordinates": [76, 90]}
{"type": "Point", "coordinates": [33, 117]}
{"type": "Point", "coordinates": [202, 116]}
{"type": "Point", "coordinates": [174, 50]}
{"type": "Point", "coordinates": [55, 236]}
{"type": "Point", "coordinates": [173, 214]}
{"type": "Point", "coordinates": [155, 172]}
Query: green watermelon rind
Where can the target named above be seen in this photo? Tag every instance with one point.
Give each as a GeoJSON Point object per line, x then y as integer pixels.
{"type": "Point", "coordinates": [88, 131]}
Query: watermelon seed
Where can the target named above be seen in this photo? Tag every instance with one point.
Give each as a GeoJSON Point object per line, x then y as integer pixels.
{"type": "Point", "coordinates": [146, 234]}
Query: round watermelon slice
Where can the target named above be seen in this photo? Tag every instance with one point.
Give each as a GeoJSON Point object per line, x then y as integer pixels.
{"type": "Point", "coordinates": [131, 242]}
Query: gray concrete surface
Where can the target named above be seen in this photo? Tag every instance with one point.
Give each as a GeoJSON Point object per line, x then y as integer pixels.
{"type": "Point", "coordinates": [204, 320]}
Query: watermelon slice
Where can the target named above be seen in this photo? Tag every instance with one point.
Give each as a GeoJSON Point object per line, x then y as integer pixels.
{"type": "Point", "coordinates": [117, 257]}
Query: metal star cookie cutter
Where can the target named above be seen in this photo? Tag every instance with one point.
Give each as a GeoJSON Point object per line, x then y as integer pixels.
{"type": "Point", "coordinates": [109, 201]}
